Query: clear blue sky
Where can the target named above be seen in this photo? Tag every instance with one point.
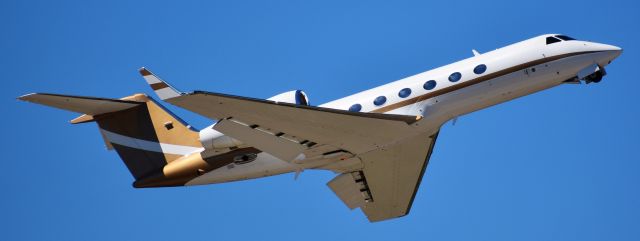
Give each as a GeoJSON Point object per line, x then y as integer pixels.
{"type": "Point", "coordinates": [562, 164]}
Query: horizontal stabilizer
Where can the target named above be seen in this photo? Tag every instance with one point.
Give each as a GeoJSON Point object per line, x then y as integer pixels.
{"type": "Point", "coordinates": [80, 104]}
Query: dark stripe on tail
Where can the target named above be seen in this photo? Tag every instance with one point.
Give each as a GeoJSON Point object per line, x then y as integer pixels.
{"type": "Point", "coordinates": [141, 163]}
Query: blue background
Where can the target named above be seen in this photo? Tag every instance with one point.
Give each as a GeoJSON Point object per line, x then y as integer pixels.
{"type": "Point", "coordinates": [561, 164]}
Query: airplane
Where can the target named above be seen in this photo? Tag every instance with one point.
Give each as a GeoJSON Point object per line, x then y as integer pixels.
{"type": "Point", "coordinates": [378, 141]}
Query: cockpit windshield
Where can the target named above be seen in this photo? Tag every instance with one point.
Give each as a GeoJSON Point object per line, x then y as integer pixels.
{"type": "Point", "coordinates": [552, 40]}
{"type": "Point", "coordinates": [558, 38]}
{"type": "Point", "coordinates": [565, 37]}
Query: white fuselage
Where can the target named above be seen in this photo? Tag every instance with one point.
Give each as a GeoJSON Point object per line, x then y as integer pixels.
{"type": "Point", "coordinates": [513, 71]}
{"type": "Point", "coordinates": [513, 79]}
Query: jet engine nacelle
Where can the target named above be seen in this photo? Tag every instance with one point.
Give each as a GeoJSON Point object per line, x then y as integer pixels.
{"type": "Point", "coordinates": [212, 139]}
{"type": "Point", "coordinates": [297, 97]}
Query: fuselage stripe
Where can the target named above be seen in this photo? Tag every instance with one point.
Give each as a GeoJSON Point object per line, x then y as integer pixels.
{"type": "Point", "coordinates": [149, 145]}
{"type": "Point", "coordinates": [475, 81]}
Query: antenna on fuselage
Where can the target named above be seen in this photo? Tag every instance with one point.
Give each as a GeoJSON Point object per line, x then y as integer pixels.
{"type": "Point", "coordinates": [475, 52]}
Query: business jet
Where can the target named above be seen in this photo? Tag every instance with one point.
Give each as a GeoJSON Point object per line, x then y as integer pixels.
{"type": "Point", "coordinates": [378, 141]}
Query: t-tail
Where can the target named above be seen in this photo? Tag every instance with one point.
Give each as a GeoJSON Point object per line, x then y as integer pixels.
{"type": "Point", "coordinates": [154, 144]}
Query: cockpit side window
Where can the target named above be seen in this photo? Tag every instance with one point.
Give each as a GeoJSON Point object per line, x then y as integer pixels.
{"type": "Point", "coordinates": [565, 37]}
{"type": "Point", "coordinates": [551, 40]}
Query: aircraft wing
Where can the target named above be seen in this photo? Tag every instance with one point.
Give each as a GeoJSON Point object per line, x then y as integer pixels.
{"type": "Point", "coordinates": [393, 175]}
{"type": "Point", "coordinates": [286, 130]}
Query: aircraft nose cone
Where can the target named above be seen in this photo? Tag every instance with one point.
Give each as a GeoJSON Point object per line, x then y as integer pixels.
{"type": "Point", "coordinates": [610, 51]}
{"type": "Point", "coordinates": [615, 50]}
{"type": "Point", "coordinates": [607, 47]}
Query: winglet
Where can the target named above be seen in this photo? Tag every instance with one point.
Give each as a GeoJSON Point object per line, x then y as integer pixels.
{"type": "Point", "coordinates": [162, 88]}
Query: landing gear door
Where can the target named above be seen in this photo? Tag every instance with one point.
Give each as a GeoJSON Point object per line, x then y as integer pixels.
{"type": "Point", "coordinates": [591, 74]}
{"type": "Point", "coordinates": [588, 71]}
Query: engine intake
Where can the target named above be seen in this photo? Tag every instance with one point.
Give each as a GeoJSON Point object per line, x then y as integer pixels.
{"type": "Point", "coordinates": [212, 139]}
{"type": "Point", "coordinates": [297, 97]}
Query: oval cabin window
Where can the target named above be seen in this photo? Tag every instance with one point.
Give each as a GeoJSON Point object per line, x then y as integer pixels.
{"type": "Point", "coordinates": [355, 108]}
{"type": "Point", "coordinates": [380, 100]}
{"type": "Point", "coordinates": [429, 85]}
{"type": "Point", "coordinates": [404, 93]}
{"type": "Point", "coordinates": [480, 69]}
{"type": "Point", "coordinates": [455, 77]}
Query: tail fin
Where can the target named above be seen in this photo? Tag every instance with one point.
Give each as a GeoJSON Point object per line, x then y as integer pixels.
{"type": "Point", "coordinates": [145, 134]}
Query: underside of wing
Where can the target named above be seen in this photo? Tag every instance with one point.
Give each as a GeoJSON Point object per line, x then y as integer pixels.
{"type": "Point", "coordinates": [287, 130]}
{"type": "Point", "coordinates": [386, 187]}
{"type": "Point", "coordinates": [351, 131]}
